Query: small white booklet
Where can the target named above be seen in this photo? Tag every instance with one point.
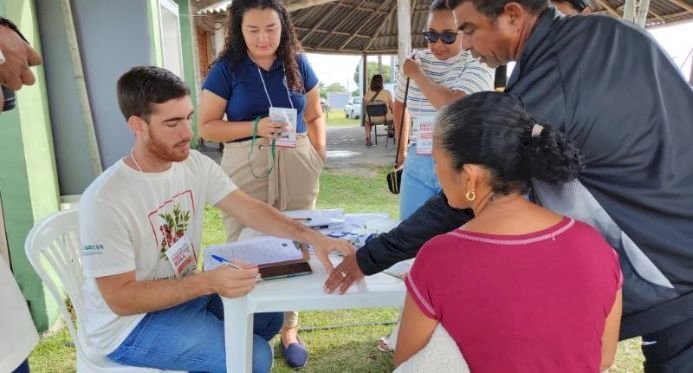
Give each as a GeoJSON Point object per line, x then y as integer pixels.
{"type": "Point", "coordinates": [318, 219]}
{"type": "Point", "coordinates": [400, 269]}
{"type": "Point", "coordinates": [289, 116]}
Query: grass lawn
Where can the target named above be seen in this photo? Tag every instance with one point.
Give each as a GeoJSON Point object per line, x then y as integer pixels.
{"type": "Point", "coordinates": [338, 341]}
{"type": "Point", "coordinates": [336, 118]}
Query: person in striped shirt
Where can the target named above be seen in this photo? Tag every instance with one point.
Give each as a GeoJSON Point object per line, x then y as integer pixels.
{"type": "Point", "coordinates": [438, 76]}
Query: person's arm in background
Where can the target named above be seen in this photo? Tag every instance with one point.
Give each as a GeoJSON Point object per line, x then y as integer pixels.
{"type": "Point", "coordinates": [214, 128]}
{"type": "Point", "coordinates": [216, 94]}
{"type": "Point", "coordinates": [437, 94]}
{"type": "Point", "coordinates": [404, 241]}
{"type": "Point", "coordinates": [315, 122]}
{"type": "Point", "coordinates": [18, 57]}
{"type": "Point", "coordinates": [611, 331]}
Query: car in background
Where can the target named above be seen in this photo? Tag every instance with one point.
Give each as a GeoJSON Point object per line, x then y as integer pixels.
{"type": "Point", "coordinates": [352, 109]}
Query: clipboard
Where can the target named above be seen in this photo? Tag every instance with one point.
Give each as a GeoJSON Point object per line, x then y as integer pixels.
{"type": "Point", "coordinates": [275, 257]}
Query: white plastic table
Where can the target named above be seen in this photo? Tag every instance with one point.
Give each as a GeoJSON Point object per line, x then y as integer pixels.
{"type": "Point", "coordinates": [296, 294]}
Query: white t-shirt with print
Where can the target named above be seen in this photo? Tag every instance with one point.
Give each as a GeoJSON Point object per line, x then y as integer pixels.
{"type": "Point", "coordinates": [460, 73]}
{"type": "Point", "coordinates": [127, 221]}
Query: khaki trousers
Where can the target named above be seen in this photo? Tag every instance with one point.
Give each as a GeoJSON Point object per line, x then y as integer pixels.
{"type": "Point", "coordinates": [293, 183]}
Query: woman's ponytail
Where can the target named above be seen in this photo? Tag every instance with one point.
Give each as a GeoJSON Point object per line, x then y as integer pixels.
{"type": "Point", "coordinates": [549, 156]}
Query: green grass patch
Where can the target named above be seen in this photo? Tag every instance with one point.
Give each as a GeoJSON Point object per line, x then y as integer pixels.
{"type": "Point", "coordinates": [337, 341]}
{"type": "Point", "coordinates": [357, 193]}
{"type": "Point", "coordinates": [337, 118]}
{"type": "Point", "coordinates": [55, 353]}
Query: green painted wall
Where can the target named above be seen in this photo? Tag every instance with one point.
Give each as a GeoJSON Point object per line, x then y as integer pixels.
{"type": "Point", "coordinates": [190, 61]}
{"type": "Point", "coordinates": [28, 181]}
{"type": "Point", "coordinates": [188, 47]}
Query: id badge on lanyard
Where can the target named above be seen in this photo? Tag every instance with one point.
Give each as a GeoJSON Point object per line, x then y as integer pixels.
{"type": "Point", "coordinates": [424, 134]}
{"type": "Point", "coordinates": [285, 115]}
{"type": "Point", "coordinates": [282, 115]}
{"type": "Point", "coordinates": [181, 256]}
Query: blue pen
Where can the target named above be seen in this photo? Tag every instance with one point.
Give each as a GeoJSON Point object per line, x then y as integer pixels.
{"type": "Point", "coordinates": [225, 261]}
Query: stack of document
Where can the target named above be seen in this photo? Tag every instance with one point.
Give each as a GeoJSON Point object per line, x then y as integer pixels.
{"type": "Point", "coordinates": [319, 219]}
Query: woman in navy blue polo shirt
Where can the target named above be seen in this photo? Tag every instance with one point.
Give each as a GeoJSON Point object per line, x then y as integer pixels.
{"type": "Point", "coordinates": [273, 129]}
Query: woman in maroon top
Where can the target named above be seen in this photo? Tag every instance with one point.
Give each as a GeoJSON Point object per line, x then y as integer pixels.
{"type": "Point", "coordinates": [519, 288]}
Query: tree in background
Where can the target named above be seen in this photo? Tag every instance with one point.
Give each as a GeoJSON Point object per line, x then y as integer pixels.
{"type": "Point", "coordinates": [334, 87]}
{"type": "Point", "coordinates": [372, 70]}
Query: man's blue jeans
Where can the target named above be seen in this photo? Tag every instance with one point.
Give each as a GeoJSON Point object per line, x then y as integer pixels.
{"type": "Point", "coordinates": [419, 182]}
{"type": "Point", "coordinates": [190, 337]}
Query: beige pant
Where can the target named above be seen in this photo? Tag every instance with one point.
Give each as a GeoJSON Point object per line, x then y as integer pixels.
{"type": "Point", "coordinates": [293, 183]}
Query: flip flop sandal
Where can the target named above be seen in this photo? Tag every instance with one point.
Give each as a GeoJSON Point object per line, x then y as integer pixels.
{"type": "Point", "coordinates": [384, 344]}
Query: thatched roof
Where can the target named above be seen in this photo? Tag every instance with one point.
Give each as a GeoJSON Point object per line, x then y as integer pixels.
{"type": "Point", "coordinates": [370, 26]}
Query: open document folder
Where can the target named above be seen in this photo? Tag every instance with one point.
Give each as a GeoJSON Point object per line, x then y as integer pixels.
{"type": "Point", "coordinates": [275, 257]}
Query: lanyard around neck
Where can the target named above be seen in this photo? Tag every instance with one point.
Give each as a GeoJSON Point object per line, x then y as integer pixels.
{"type": "Point", "coordinates": [286, 86]}
{"type": "Point", "coordinates": [179, 187]}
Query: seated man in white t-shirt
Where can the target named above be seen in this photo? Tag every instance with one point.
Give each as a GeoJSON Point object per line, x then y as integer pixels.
{"type": "Point", "coordinates": [142, 310]}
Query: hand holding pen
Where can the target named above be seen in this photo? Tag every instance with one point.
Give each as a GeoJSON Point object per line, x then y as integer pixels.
{"type": "Point", "coordinates": [233, 280]}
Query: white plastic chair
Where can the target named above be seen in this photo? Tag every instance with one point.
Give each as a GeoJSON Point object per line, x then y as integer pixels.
{"type": "Point", "coordinates": [52, 248]}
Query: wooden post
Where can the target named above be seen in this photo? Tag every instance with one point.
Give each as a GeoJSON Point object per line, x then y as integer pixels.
{"type": "Point", "coordinates": [636, 11]}
{"type": "Point", "coordinates": [643, 9]}
{"type": "Point", "coordinates": [364, 85]}
{"type": "Point", "coordinates": [629, 10]}
{"type": "Point", "coordinates": [403, 29]}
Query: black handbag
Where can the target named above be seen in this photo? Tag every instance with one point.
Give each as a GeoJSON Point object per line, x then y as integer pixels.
{"type": "Point", "coordinates": [394, 177]}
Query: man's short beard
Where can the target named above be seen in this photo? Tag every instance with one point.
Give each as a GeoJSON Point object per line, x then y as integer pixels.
{"type": "Point", "coordinates": [160, 150]}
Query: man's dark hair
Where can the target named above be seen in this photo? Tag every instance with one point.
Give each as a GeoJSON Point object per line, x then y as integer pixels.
{"type": "Point", "coordinates": [437, 5]}
{"type": "Point", "coordinates": [143, 86]}
{"type": "Point", "coordinates": [578, 5]}
{"type": "Point", "coordinates": [493, 8]}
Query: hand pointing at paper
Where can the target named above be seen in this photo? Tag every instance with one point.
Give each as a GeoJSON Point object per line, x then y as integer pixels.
{"type": "Point", "coordinates": [324, 245]}
{"type": "Point", "coordinates": [260, 216]}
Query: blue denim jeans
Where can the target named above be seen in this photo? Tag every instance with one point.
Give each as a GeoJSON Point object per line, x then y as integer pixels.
{"type": "Point", "coordinates": [23, 368]}
{"type": "Point", "coordinates": [419, 182]}
{"type": "Point", "coordinates": [190, 337]}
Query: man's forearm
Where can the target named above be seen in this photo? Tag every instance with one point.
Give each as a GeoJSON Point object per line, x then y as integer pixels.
{"type": "Point", "coordinates": [135, 297]}
{"type": "Point", "coordinates": [403, 242]}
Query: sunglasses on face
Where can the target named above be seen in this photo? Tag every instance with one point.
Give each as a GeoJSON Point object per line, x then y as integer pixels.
{"type": "Point", "coordinates": [445, 37]}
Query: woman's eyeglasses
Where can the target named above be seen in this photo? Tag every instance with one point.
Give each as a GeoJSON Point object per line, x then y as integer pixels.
{"type": "Point", "coordinates": [445, 37]}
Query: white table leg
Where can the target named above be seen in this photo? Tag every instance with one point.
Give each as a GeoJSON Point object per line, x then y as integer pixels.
{"type": "Point", "coordinates": [238, 336]}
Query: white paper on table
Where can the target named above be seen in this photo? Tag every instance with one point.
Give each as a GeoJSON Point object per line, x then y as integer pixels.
{"type": "Point", "coordinates": [400, 269]}
{"type": "Point", "coordinates": [261, 250]}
